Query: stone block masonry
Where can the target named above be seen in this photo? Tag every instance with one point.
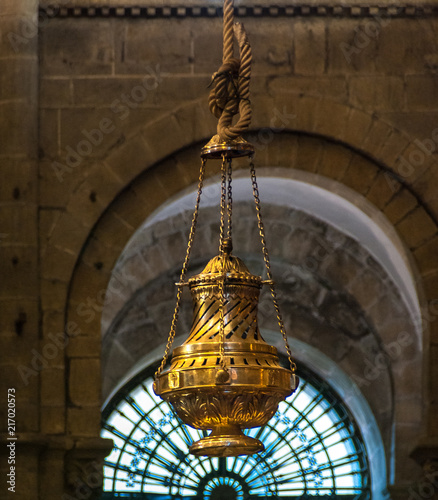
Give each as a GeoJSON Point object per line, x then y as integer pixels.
{"type": "Point", "coordinates": [101, 109]}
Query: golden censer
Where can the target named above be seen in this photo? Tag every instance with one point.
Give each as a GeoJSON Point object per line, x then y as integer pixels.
{"type": "Point", "coordinates": [225, 381]}
{"type": "Point", "coordinates": [225, 377]}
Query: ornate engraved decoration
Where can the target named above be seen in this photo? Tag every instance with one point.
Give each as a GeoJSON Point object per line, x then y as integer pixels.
{"type": "Point", "coordinates": [208, 411]}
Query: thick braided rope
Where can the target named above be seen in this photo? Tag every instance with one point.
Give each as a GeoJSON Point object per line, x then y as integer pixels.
{"type": "Point", "coordinates": [225, 129]}
{"type": "Point", "coordinates": [218, 95]}
{"type": "Point", "coordinates": [228, 35]}
{"type": "Point", "coordinates": [224, 88]}
{"type": "Point", "coordinates": [230, 94]}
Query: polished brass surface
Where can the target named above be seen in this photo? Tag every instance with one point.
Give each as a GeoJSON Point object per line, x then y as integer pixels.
{"type": "Point", "coordinates": [230, 380]}
{"type": "Point", "coordinates": [216, 148]}
{"type": "Point", "coordinates": [225, 442]}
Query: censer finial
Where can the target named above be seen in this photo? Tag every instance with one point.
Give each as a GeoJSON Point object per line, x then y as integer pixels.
{"type": "Point", "coordinates": [225, 377]}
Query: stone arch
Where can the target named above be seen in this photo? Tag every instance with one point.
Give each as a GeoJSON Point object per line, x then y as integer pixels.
{"type": "Point", "coordinates": [140, 321]}
{"type": "Point", "coordinates": [99, 235]}
{"type": "Point", "coordinates": [156, 185]}
{"type": "Point", "coordinates": [192, 123]}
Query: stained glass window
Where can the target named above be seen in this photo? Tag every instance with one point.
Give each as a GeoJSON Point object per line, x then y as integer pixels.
{"type": "Point", "coordinates": [312, 448]}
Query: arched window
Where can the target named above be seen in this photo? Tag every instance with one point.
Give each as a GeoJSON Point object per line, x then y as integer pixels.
{"type": "Point", "coordinates": [312, 448]}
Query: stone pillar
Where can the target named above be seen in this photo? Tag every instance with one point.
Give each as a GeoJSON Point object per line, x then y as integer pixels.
{"type": "Point", "coordinates": [19, 293]}
{"type": "Point", "coordinates": [426, 451]}
{"type": "Point", "coordinates": [46, 458]}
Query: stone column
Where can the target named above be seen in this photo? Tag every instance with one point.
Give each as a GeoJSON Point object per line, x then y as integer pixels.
{"type": "Point", "coordinates": [19, 290]}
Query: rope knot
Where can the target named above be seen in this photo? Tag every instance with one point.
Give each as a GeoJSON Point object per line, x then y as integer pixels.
{"type": "Point", "coordinates": [229, 94]}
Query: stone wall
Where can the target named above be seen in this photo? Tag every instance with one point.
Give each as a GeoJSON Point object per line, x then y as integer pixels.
{"type": "Point", "coordinates": [121, 95]}
{"type": "Point", "coordinates": [333, 296]}
{"type": "Point", "coordinates": [19, 243]}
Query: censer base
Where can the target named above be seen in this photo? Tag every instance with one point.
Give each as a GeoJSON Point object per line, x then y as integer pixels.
{"type": "Point", "coordinates": [227, 441]}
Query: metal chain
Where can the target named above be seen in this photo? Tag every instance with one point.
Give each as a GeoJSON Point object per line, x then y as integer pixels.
{"type": "Point", "coordinates": [183, 271]}
{"type": "Point", "coordinates": [229, 198]}
{"type": "Point", "coordinates": [223, 203]}
{"type": "Point", "coordinates": [256, 194]}
{"type": "Point", "coordinates": [221, 289]}
{"type": "Point", "coordinates": [221, 279]}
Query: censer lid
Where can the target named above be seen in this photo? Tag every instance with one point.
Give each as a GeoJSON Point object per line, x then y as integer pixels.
{"type": "Point", "coordinates": [230, 265]}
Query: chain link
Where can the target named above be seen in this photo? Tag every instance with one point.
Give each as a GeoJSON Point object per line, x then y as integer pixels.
{"type": "Point", "coordinates": [221, 290]}
{"type": "Point", "coordinates": [221, 279]}
{"type": "Point", "coordinates": [261, 227]}
{"type": "Point", "coordinates": [183, 271]}
{"type": "Point", "coordinates": [223, 204]}
{"type": "Point", "coordinates": [229, 199]}
{"type": "Point", "coordinates": [226, 171]}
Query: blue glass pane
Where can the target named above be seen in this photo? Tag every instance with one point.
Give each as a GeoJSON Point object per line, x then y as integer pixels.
{"type": "Point", "coordinates": [312, 448]}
